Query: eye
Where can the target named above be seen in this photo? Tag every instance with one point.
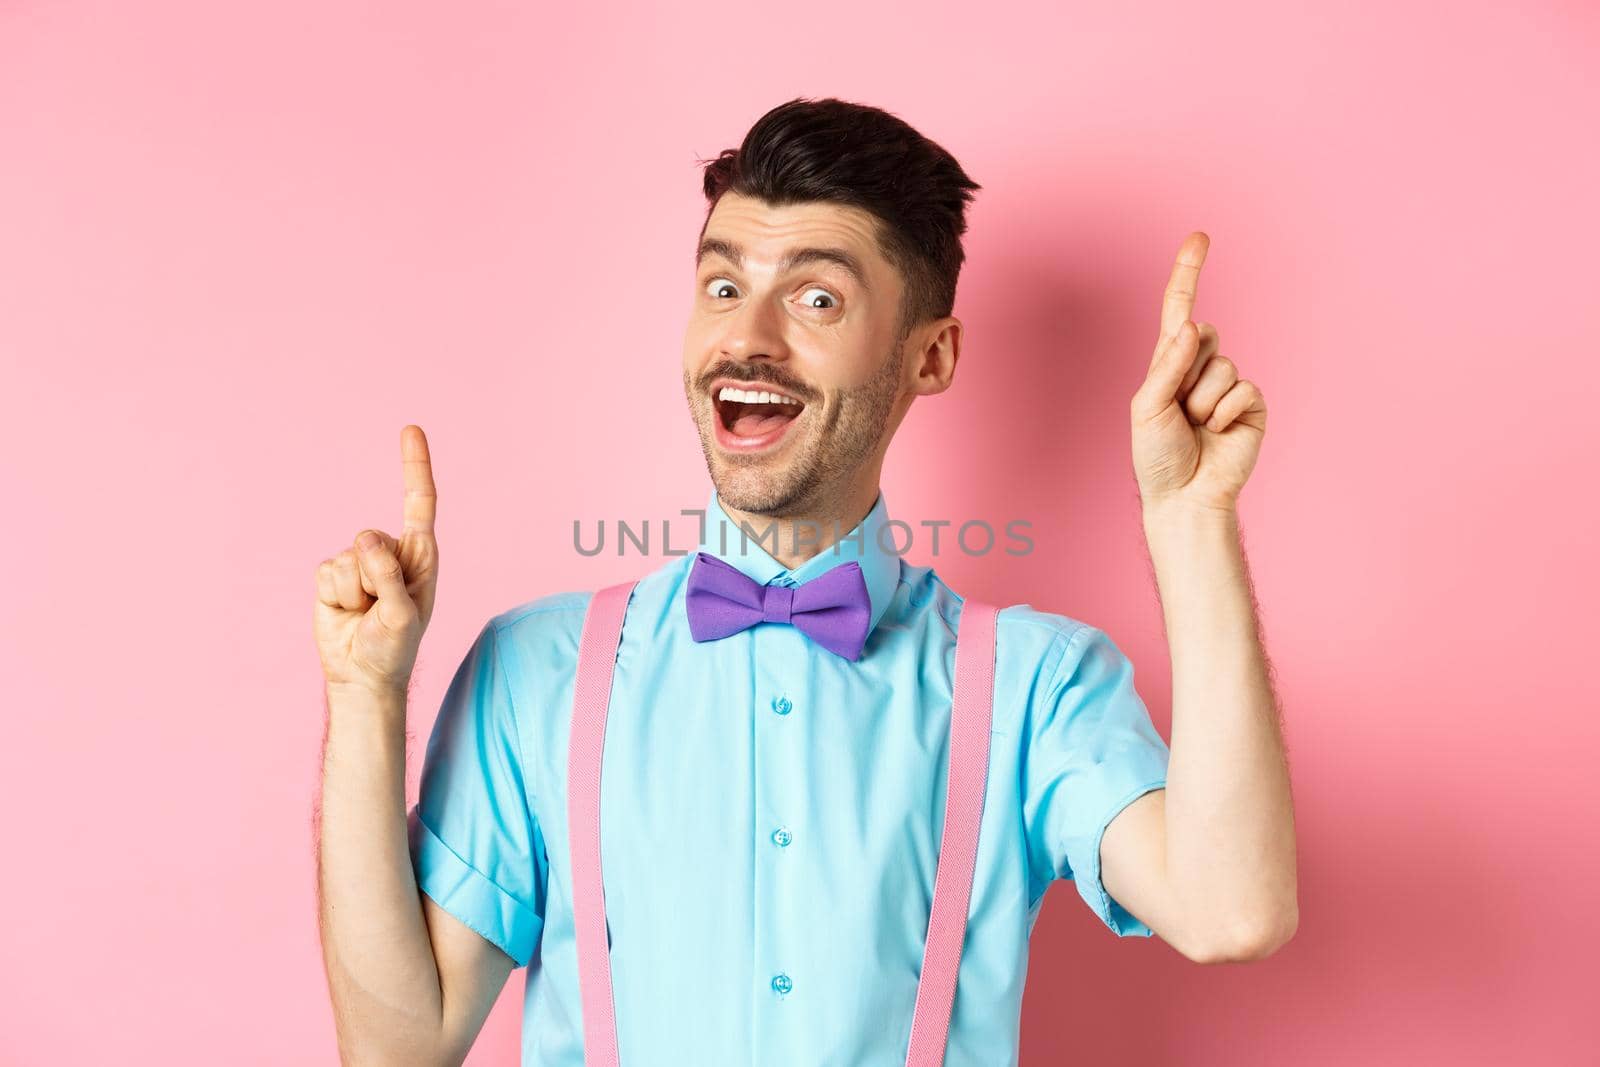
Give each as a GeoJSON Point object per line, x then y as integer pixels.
{"type": "Point", "coordinates": [810, 300]}
{"type": "Point", "coordinates": [715, 287]}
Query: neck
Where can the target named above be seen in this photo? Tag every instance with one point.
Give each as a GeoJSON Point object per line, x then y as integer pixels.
{"type": "Point", "coordinates": [809, 530]}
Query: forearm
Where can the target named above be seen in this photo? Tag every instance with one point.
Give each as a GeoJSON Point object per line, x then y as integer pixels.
{"type": "Point", "coordinates": [1230, 844]}
{"type": "Point", "coordinates": [382, 975]}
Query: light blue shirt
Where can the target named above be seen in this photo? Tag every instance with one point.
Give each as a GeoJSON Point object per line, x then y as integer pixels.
{"type": "Point", "coordinates": [771, 814]}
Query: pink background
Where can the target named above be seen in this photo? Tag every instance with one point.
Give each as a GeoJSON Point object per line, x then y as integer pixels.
{"type": "Point", "coordinates": [239, 250]}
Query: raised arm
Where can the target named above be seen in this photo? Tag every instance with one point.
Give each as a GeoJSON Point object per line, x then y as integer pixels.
{"type": "Point", "coordinates": [1210, 860]}
{"type": "Point", "coordinates": [409, 982]}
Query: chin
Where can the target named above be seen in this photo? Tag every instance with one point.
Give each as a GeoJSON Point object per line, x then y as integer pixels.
{"type": "Point", "coordinates": [756, 492]}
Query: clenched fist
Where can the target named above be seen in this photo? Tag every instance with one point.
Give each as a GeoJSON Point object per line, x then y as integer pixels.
{"type": "Point", "coordinates": [375, 598]}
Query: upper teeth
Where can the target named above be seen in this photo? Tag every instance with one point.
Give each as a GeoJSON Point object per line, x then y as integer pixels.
{"type": "Point", "coordinates": [746, 396]}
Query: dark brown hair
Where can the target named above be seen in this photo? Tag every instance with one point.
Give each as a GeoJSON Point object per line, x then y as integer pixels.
{"type": "Point", "coordinates": [832, 150]}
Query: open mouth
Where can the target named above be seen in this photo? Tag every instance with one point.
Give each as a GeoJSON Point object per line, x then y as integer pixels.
{"type": "Point", "coordinates": [754, 417]}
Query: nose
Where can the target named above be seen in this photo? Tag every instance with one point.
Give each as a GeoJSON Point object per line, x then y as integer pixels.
{"type": "Point", "coordinates": [754, 331]}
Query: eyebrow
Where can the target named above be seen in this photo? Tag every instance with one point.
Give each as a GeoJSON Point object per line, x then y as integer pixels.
{"type": "Point", "coordinates": [794, 257]}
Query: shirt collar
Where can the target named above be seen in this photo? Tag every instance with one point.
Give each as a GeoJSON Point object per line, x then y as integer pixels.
{"type": "Point", "coordinates": [725, 539]}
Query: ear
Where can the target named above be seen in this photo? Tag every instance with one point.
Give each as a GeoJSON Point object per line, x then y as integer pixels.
{"type": "Point", "coordinates": [937, 348]}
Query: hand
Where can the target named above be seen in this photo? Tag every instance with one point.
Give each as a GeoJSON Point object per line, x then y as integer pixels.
{"type": "Point", "coordinates": [373, 604]}
{"type": "Point", "coordinates": [1197, 426]}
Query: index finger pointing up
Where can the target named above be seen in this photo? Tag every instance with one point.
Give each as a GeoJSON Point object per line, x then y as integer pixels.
{"type": "Point", "coordinates": [1177, 307]}
{"type": "Point", "coordinates": [420, 495]}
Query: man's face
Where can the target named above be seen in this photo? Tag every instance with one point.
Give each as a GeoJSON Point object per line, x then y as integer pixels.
{"type": "Point", "coordinates": [779, 309]}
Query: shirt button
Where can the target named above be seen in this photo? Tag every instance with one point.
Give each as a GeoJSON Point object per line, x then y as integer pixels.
{"type": "Point", "coordinates": [781, 838]}
{"type": "Point", "coordinates": [782, 706]}
{"type": "Point", "coordinates": [781, 983]}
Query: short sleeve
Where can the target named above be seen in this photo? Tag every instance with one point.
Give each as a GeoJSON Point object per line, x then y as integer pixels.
{"type": "Point", "coordinates": [1092, 751]}
{"type": "Point", "coordinates": [475, 843]}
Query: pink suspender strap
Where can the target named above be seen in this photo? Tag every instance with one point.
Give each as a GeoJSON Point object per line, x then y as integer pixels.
{"type": "Point", "coordinates": [970, 714]}
{"type": "Point", "coordinates": [597, 657]}
{"type": "Point", "coordinates": [971, 709]}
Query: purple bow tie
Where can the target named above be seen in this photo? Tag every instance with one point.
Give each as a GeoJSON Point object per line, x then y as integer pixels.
{"type": "Point", "coordinates": [833, 608]}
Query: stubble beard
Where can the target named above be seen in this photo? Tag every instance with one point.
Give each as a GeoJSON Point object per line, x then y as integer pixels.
{"type": "Point", "coordinates": [814, 480]}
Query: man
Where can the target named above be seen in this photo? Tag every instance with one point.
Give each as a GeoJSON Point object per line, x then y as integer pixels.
{"type": "Point", "coordinates": [773, 797]}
